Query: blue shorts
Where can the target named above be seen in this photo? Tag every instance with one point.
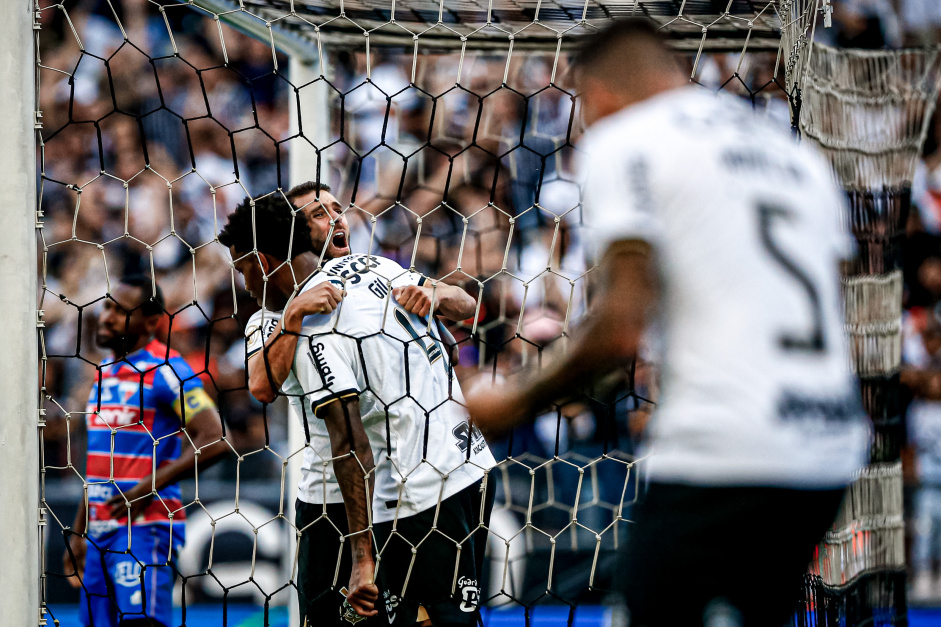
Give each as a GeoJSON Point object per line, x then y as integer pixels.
{"type": "Point", "coordinates": [126, 582]}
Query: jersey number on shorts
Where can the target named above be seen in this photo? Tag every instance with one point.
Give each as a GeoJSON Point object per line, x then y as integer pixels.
{"type": "Point", "coordinates": [813, 341]}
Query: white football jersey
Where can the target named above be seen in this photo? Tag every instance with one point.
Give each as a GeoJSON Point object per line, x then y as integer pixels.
{"type": "Point", "coordinates": [746, 232]}
{"type": "Point", "coordinates": [409, 399]}
{"type": "Point", "coordinates": [318, 483]}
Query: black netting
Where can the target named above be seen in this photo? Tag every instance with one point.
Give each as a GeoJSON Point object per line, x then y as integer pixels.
{"type": "Point", "coordinates": [157, 120]}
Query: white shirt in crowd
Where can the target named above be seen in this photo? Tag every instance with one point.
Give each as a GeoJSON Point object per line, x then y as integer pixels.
{"type": "Point", "coordinates": [745, 228]}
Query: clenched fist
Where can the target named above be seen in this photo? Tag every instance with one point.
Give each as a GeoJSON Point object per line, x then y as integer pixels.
{"type": "Point", "coordinates": [414, 299]}
{"type": "Point", "coordinates": [323, 298]}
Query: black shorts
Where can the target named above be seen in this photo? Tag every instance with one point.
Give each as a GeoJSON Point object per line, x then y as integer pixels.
{"type": "Point", "coordinates": [738, 551]}
{"type": "Point", "coordinates": [318, 599]}
{"type": "Point", "coordinates": [437, 567]}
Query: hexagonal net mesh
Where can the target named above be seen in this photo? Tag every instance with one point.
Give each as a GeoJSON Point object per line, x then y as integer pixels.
{"type": "Point", "coordinates": [450, 149]}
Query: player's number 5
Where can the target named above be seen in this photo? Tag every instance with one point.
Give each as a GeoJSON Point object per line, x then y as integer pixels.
{"type": "Point", "coordinates": [814, 340]}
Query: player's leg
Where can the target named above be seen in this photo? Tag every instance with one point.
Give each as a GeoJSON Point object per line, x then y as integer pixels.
{"type": "Point", "coordinates": [661, 565]}
{"type": "Point", "coordinates": [319, 550]}
{"type": "Point", "coordinates": [96, 607]}
{"type": "Point", "coordinates": [793, 522]}
{"type": "Point", "coordinates": [482, 508]}
{"type": "Point", "coordinates": [394, 561]}
{"type": "Point", "coordinates": [424, 579]}
{"type": "Point", "coordinates": [142, 573]}
{"type": "Point", "coordinates": [737, 553]}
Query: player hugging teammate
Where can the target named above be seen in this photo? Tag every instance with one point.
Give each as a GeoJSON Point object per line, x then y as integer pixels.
{"type": "Point", "coordinates": [354, 345]}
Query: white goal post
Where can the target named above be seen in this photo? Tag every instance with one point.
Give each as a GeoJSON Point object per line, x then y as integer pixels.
{"type": "Point", "coordinates": [20, 515]}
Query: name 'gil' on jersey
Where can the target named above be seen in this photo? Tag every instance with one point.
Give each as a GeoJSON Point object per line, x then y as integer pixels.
{"type": "Point", "coordinates": [138, 403]}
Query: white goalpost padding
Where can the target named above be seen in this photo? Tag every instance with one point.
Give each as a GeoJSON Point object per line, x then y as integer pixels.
{"type": "Point", "coordinates": [20, 516]}
{"type": "Point", "coordinates": [313, 103]}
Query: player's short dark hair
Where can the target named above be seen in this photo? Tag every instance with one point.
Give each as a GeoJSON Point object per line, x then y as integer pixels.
{"type": "Point", "coordinates": [306, 188]}
{"type": "Point", "coordinates": [616, 36]}
{"type": "Point", "coordinates": [152, 303]}
{"type": "Point", "coordinates": [271, 229]}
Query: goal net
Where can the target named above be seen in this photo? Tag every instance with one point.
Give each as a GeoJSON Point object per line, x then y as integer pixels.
{"type": "Point", "coordinates": [447, 132]}
{"type": "Point", "coordinates": [868, 112]}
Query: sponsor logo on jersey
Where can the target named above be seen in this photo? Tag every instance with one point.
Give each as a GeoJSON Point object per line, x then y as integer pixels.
{"type": "Point", "coordinates": [321, 363]}
{"type": "Point", "coordinates": [468, 435]}
{"type": "Point", "coordinates": [116, 416]}
{"type": "Point", "coordinates": [353, 267]}
{"type": "Point", "coordinates": [470, 594]}
{"type": "Point", "coordinates": [99, 492]}
{"type": "Point", "coordinates": [114, 390]}
{"type": "Point", "coordinates": [795, 406]}
{"type": "Point", "coordinates": [127, 573]}
{"type": "Point", "coordinates": [257, 334]}
{"type": "Point", "coordinates": [98, 527]}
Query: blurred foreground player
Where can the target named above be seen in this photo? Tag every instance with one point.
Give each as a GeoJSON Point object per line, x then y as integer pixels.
{"type": "Point", "coordinates": [146, 393]}
{"type": "Point", "coordinates": [716, 224]}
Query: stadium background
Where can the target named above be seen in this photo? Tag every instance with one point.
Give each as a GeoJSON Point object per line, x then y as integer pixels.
{"type": "Point", "coordinates": [587, 431]}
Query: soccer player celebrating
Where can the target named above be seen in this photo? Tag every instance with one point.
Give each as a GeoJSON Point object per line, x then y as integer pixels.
{"type": "Point", "coordinates": [329, 234]}
{"type": "Point", "coordinates": [145, 396]}
{"type": "Point", "coordinates": [375, 376]}
{"type": "Point", "coordinates": [271, 341]}
{"type": "Point", "coordinates": [716, 222]}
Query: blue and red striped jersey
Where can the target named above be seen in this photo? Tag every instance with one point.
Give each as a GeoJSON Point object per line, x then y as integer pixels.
{"type": "Point", "coordinates": [136, 411]}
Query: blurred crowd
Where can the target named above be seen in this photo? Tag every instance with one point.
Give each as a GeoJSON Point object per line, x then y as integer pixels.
{"type": "Point", "coordinates": [150, 141]}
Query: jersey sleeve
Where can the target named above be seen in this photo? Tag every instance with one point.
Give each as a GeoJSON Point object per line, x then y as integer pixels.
{"type": "Point", "coordinates": [178, 387]}
{"type": "Point", "coordinates": [409, 278]}
{"type": "Point", "coordinates": [618, 195]}
{"type": "Point", "coordinates": [328, 368]}
{"type": "Point", "coordinates": [259, 328]}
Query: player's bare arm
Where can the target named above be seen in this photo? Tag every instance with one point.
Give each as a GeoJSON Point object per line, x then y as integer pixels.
{"type": "Point", "coordinates": [609, 338]}
{"type": "Point", "coordinates": [268, 368]}
{"type": "Point", "coordinates": [204, 448]}
{"type": "Point", "coordinates": [353, 465]}
{"type": "Point", "coordinates": [450, 301]}
{"type": "Point", "coordinates": [266, 375]}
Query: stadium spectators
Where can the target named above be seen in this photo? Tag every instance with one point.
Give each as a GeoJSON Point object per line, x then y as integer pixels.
{"type": "Point", "coordinates": [485, 190]}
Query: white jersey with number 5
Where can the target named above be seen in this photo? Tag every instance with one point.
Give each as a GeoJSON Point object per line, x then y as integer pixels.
{"type": "Point", "coordinates": [745, 228]}
{"type": "Point", "coordinates": [409, 399]}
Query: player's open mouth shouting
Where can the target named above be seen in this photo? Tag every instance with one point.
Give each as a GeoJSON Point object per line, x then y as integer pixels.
{"type": "Point", "coordinates": [340, 242]}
